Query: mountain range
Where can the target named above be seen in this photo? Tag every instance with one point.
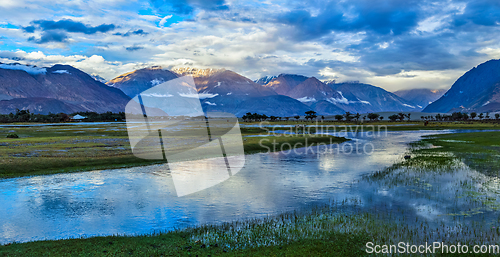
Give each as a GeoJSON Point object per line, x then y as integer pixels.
{"type": "Point", "coordinates": [63, 88]}
{"type": "Point", "coordinates": [219, 90]}
{"type": "Point", "coordinates": [337, 98]}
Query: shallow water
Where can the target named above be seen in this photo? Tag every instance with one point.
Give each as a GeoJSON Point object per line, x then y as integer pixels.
{"type": "Point", "coordinates": [143, 199]}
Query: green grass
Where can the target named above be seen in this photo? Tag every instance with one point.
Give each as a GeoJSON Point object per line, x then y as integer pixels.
{"type": "Point", "coordinates": [62, 149]}
{"type": "Point", "coordinates": [327, 231]}
{"type": "Point", "coordinates": [479, 150]}
{"type": "Point", "coordinates": [316, 233]}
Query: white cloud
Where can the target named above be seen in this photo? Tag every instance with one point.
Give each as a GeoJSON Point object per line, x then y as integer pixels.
{"type": "Point", "coordinates": [164, 20]}
{"type": "Point", "coordinates": [29, 69]}
{"type": "Point", "coordinates": [253, 49]}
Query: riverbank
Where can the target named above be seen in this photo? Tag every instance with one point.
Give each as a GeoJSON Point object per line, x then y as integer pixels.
{"type": "Point", "coordinates": [317, 233]}
{"type": "Point", "coordinates": [43, 150]}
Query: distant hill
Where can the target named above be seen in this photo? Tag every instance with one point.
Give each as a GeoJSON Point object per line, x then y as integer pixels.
{"type": "Point", "coordinates": [313, 90]}
{"type": "Point", "coordinates": [61, 88]}
{"type": "Point", "coordinates": [477, 90]}
{"type": "Point", "coordinates": [363, 98]}
{"type": "Point", "coordinates": [420, 97]}
{"type": "Point", "coordinates": [326, 108]}
{"type": "Point", "coordinates": [38, 105]}
{"type": "Point", "coordinates": [135, 82]}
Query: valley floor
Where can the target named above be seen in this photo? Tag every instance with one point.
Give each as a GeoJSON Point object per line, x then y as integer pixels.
{"type": "Point", "coordinates": [342, 228]}
{"type": "Point", "coordinates": [42, 150]}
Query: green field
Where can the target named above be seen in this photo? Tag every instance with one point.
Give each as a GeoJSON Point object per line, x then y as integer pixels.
{"type": "Point", "coordinates": [57, 149]}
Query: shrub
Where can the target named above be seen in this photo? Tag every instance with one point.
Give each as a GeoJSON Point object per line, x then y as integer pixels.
{"type": "Point", "coordinates": [13, 135]}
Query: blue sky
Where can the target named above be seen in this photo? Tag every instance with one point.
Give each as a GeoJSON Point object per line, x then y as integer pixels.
{"type": "Point", "coordinates": [391, 44]}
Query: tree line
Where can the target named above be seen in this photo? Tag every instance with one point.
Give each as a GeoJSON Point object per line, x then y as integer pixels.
{"type": "Point", "coordinates": [459, 116]}
{"type": "Point", "coordinates": [27, 116]}
{"type": "Point", "coordinates": [309, 115]}
{"type": "Point", "coordinates": [347, 116]}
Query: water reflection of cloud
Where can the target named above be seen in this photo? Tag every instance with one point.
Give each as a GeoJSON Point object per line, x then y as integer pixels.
{"type": "Point", "coordinates": [143, 199]}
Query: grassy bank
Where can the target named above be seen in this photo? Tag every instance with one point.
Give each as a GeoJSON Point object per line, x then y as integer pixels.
{"type": "Point", "coordinates": [59, 149]}
{"type": "Point", "coordinates": [316, 233]}
{"type": "Point", "coordinates": [478, 150]}
{"type": "Point", "coordinates": [452, 178]}
{"type": "Point", "coordinates": [341, 229]}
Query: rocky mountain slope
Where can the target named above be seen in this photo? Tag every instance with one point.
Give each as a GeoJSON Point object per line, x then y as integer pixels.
{"type": "Point", "coordinates": [283, 83]}
{"type": "Point", "coordinates": [61, 88]}
{"type": "Point", "coordinates": [477, 90]}
{"type": "Point", "coordinates": [313, 90]}
{"type": "Point", "coordinates": [135, 82]}
{"type": "Point", "coordinates": [363, 98]}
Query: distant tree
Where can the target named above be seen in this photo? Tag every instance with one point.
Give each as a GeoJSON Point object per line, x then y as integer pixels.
{"type": "Point", "coordinates": [348, 116]}
{"type": "Point", "coordinates": [322, 117]}
{"type": "Point", "coordinates": [310, 115]}
{"type": "Point", "coordinates": [22, 115]}
{"type": "Point", "coordinates": [457, 116]}
{"type": "Point", "coordinates": [373, 116]}
{"type": "Point", "coordinates": [357, 116]}
{"type": "Point", "coordinates": [381, 118]}
{"type": "Point", "coordinates": [297, 117]}
{"type": "Point", "coordinates": [473, 115]}
{"type": "Point", "coordinates": [497, 116]}
{"type": "Point", "coordinates": [247, 117]}
{"type": "Point", "coordinates": [487, 115]}
{"type": "Point", "coordinates": [422, 117]}
{"type": "Point", "coordinates": [394, 117]}
{"type": "Point", "coordinates": [339, 117]}
{"type": "Point", "coordinates": [481, 116]}
{"type": "Point", "coordinates": [63, 117]}
{"type": "Point", "coordinates": [439, 117]}
{"type": "Point", "coordinates": [401, 116]}
{"type": "Point", "coordinates": [465, 116]}
{"type": "Point", "coordinates": [287, 118]}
